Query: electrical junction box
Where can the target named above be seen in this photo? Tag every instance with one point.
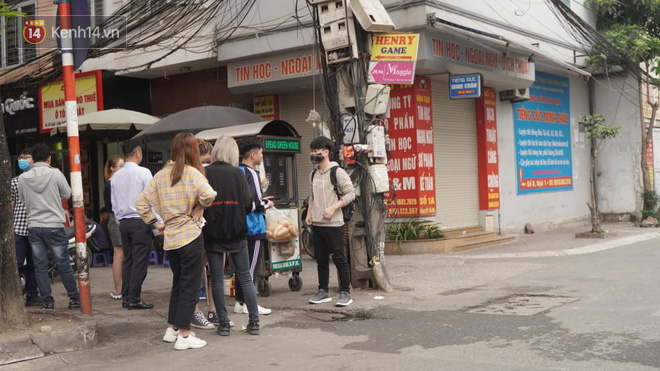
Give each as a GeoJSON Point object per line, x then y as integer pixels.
{"type": "Point", "coordinates": [334, 35]}
{"type": "Point", "coordinates": [376, 141]}
{"type": "Point", "coordinates": [331, 11]}
{"type": "Point", "coordinates": [376, 100]}
{"type": "Point", "coordinates": [379, 176]}
{"type": "Point", "coordinates": [349, 123]}
{"type": "Point", "coordinates": [372, 15]}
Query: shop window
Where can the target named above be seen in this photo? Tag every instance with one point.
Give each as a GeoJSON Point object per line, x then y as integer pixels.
{"type": "Point", "coordinates": [14, 50]}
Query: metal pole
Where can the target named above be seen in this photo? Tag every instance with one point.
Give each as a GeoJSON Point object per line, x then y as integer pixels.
{"type": "Point", "coordinates": [71, 107]}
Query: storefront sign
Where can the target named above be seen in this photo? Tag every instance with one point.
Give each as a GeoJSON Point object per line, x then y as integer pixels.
{"type": "Point", "coordinates": [12, 106]}
{"type": "Point", "coordinates": [487, 153]}
{"type": "Point", "coordinates": [465, 53]}
{"type": "Point", "coordinates": [503, 67]}
{"type": "Point", "coordinates": [267, 107]}
{"type": "Point", "coordinates": [412, 166]}
{"type": "Point", "coordinates": [465, 86]}
{"type": "Point", "coordinates": [393, 58]}
{"type": "Point", "coordinates": [271, 68]}
{"type": "Point", "coordinates": [89, 97]}
{"type": "Point", "coordinates": [543, 137]}
{"type": "Point", "coordinates": [285, 145]}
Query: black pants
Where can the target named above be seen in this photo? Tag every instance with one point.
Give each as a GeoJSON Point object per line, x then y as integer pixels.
{"type": "Point", "coordinates": [255, 253]}
{"type": "Point", "coordinates": [136, 238]}
{"type": "Point", "coordinates": [330, 240]}
{"type": "Point", "coordinates": [186, 263]}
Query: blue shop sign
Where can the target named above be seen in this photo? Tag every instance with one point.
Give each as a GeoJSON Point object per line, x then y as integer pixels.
{"type": "Point", "coordinates": [465, 86]}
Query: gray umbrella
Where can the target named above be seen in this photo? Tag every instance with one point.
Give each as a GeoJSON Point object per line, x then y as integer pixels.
{"type": "Point", "coordinates": [193, 120]}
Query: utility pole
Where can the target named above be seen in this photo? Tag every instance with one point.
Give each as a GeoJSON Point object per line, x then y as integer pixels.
{"type": "Point", "coordinates": [71, 108]}
{"type": "Point", "coordinates": [344, 44]}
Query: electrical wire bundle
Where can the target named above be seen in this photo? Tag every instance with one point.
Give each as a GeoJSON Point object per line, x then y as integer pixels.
{"type": "Point", "coordinates": [155, 25]}
{"type": "Point", "coordinates": [591, 39]}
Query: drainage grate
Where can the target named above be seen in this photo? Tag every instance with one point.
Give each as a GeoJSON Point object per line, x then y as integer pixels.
{"type": "Point", "coordinates": [522, 305]}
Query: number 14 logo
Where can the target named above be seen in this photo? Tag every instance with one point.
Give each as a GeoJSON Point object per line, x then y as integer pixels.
{"type": "Point", "coordinates": [34, 31]}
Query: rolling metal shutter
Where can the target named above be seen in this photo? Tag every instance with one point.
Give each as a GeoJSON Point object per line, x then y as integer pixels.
{"type": "Point", "coordinates": [294, 109]}
{"type": "Point", "coordinates": [454, 132]}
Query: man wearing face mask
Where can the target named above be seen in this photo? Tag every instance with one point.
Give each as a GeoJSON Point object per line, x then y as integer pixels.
{"type": "Point", "coordinates": [325, 216]}
{"type": "Point", "coordinates": [42, 189]}
{"type": "Point", "coordinates": [23, 248]}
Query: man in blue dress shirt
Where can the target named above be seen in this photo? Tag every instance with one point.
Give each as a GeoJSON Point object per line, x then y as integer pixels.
{"type": "Point", "coordinates": [136, 236]}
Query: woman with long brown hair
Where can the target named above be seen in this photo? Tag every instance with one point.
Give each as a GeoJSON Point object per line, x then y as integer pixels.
{"type": "Point", "coordinates": [179, 193]}
{"type": "Point", "coordinates": [113, 165]}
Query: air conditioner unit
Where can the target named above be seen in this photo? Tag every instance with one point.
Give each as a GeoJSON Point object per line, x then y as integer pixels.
{"type": "Point", "coordinates": [515, 95]}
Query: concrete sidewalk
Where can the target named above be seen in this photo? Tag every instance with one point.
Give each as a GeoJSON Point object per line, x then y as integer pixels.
{"type": "Point", "coordinates": [416, 278]}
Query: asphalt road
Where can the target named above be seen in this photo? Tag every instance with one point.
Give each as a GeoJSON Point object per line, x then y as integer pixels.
{"type": "Point", "coordinates": [597, 311]}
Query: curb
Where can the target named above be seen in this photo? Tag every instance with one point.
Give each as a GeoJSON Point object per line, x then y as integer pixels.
{"type": "Point", "coordinates": [588, 249]}
{"type": "Point", "coordinates": [47, 341]}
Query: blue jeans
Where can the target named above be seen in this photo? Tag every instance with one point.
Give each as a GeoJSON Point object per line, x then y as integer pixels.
{"type": "Point", "coordinates": [54, 240]}
{"type": "Point", "coordinates": [26, 264]}
{"type": "Point", "coordinates": [241, 262]}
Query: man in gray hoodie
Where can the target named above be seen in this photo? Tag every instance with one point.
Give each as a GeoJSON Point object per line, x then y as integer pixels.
{"type": "Point", "coordinates": [326, 218]}
{"type": "Point", "coordinates": [41, 189]}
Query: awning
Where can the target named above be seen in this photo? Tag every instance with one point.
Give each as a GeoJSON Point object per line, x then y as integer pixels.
{"type": "Point", "coordinates": [278, 128]}
{"type": "Point", "coordinates": [235, 131]}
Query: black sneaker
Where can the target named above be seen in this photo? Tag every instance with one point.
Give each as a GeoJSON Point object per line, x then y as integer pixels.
{"type": "Point", "coordinates": [48, 305]}
{"type": "Point", "coordinates": [34, 301]}
{"type": "Point", "coordinates": [74, 303]}
{"type": "Point", "coordinates": [225, 328]}
{"type": "Point", "coordinates": [253, 328]}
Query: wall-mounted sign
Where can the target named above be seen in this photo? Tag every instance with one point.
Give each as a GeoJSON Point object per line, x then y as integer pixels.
{"type": "Point", "coordinates": [487, 152]}
{"type": "Point", "coordinates": [542, 132]}
{"type": "Point", "coordinates": [11, 106]}
{"type": "Point", "coordinates": [271, 68]}
{"type": "Point", "coordinates": [393, 58]}
{"type": "Point", "coordinates": [465, 86]}
{"type": "Point", "coordinates": [267, 107]}
{"type": "Point", "coordinates": [276, 144]}
{"type": "Point", "coordinates": [89, 98]}
{"type": "Point", "coordinates": [412, 165]}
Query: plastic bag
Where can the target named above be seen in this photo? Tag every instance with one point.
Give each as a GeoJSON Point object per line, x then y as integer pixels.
{"type": "Point", "coordinates": [279, 228]}
{"type": "Point", "coordinates": [286, 249]}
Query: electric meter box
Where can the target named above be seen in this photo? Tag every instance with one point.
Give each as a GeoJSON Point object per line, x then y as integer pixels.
{"type": "Point", "coordinates": [379, 175]}
{"type": "Point", "coordinates": [376, 141]}
{"type": "Point", "coordinates": [376, 100]}
{"type": "Point", "coordinates": [334, 35]}
{"type": "Point", "coordinates": [372, 15]}
{"type": "Point", "coordinates": [331, 11]}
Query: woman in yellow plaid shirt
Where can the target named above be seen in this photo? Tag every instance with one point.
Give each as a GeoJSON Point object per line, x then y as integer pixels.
{"type": "Point", "coordinates": [179, 193]}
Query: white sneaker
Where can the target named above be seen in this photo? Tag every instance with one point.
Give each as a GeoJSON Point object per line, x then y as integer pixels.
{"type": "Point", "coordinates": [191, 342]}
{"type": "Point", "coordinates": [170, 335]}
{"type": "Point", "coordinates": [238, 308]}
{"type": "Point", "coordinates": [262, 311]}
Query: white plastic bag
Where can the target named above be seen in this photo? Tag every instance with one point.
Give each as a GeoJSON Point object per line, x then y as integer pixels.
{"type": "Point", "coordinates": [279, 228]}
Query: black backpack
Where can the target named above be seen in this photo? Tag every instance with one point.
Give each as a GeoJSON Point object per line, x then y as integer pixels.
{"type": "Point", "coordinates": [347, 210]}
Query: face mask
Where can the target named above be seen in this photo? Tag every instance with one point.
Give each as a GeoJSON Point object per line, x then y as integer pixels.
{"type": "Point", "coordinates": [316, 158]}
{"type": "Point", "coordinates": [23, 164]}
